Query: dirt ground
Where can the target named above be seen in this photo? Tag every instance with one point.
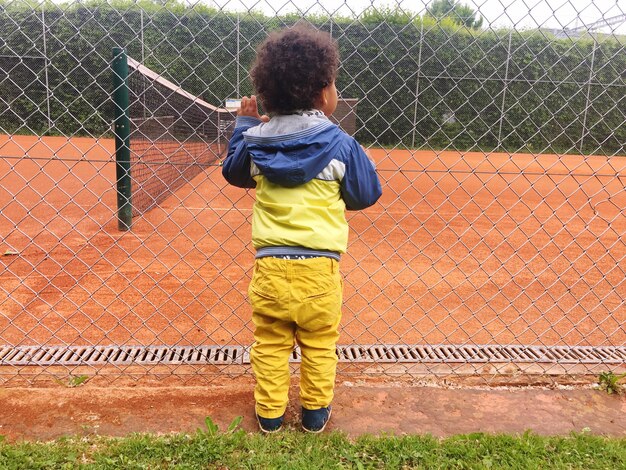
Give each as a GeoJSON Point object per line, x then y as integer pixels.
{"type": "Point", "coordinates": [360, 407]}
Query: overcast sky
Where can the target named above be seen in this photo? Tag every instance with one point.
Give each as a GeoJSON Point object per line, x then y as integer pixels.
{"type": "Point", "coordinates": [523, 14]}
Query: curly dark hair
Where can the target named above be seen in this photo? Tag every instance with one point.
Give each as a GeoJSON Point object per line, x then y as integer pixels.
{"type": "Point", "coordinates": [291, 68]}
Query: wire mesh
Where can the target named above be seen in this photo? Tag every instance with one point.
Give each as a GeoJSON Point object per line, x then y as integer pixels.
{"type": "Point", "coordinates": [498, 247]}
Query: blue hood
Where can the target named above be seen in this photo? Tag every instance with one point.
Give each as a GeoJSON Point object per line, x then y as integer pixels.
{"type": "Point", "coordinates": [292, 150]}
{"type": "Point", "coordinates": [294, 158]}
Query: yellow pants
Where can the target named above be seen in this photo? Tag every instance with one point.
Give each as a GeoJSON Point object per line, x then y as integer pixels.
{"type": "Point", "coordinates": [294, 300]}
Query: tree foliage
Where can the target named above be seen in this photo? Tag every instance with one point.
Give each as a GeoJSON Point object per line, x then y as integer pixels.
{"type": "Point", "coordinates": [461, 14]}
{"type": "Point", "coordinates": [419, 82]}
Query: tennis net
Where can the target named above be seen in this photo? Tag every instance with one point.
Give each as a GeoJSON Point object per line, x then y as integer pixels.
{"type": "Point", "coordinates": [174, 136]}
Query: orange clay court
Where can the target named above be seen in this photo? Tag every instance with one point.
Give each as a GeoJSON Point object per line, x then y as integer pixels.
{"type": "Point", "coordinates": [463, 247]}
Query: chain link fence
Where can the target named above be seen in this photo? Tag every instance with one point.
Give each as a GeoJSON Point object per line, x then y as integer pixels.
{"type": "Point", "coordinates": [497, 250]}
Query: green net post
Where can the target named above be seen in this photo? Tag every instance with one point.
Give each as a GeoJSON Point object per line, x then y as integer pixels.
{"type": "Point", "coordinates": [122, 138]}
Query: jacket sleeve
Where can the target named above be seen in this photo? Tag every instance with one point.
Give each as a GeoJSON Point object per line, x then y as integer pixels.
{"type": "Point", "coordinates": [236, 167]}
{"type": "Point", "coordinates": [360, 186]}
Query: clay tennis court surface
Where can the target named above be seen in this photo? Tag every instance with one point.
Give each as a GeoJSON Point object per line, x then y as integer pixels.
{"type": "Point", "coordinates": [461, 248]}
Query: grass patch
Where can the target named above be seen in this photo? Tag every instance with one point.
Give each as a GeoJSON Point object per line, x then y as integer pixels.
{"type": "Point", "coordinates": [236, 449]}
{"type": "Point", "coordinates": [610, 382]}
{"type": "Point", "coordinates": [73, 381]}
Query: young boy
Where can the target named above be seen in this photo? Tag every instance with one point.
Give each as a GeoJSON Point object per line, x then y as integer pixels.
{"type": "Point", "coordinates": [306, 172]}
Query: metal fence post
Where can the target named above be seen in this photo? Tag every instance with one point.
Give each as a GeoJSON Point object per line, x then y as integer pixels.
{"type": "Point", "coordinates": [587, 98]}
{"type": "Point", "coordinates": [417, 82]}
{"type": "Point", "coordinates": [506, 84]}
{"type": "Point", "coordinates": [45, 54]}
{"type": "Point", "coordinates": [122, 139]}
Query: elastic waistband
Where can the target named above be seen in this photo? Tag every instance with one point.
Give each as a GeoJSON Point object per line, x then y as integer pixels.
{"type": "Point", "coordinates": [295, 252]}
{"type": "Point", "coordinates": [293, 256]}
{"type": "Point", "coordinates": [296, 265]}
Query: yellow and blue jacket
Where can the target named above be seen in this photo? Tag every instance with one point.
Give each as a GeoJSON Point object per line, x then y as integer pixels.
{"type": "Point", "coordinates": [306, 172]}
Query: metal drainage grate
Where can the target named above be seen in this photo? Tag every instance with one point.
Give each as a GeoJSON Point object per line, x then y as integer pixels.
{"type": "Point", "coordinates": [379, 353]}
{"type": "Point", "coordinates": [119, 355]}
{"type": "Point", "coordinates": [482, 354]}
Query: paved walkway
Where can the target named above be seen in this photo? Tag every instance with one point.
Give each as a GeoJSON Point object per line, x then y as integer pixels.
{"type": "Point", "coordinates": [48, 413]}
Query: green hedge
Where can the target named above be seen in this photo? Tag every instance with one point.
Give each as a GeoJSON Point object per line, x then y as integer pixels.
{"type": "Point", "coordinates": [461, 80]}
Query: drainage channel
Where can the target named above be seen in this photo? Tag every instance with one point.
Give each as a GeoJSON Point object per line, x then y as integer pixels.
{"type": "Point", "coordinates": [376, 353]}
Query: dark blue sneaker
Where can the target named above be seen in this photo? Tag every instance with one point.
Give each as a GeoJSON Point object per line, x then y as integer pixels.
{"type": "Point", "coordinates": [269, 425]}
{"type": "Point", "coordinates": [315, 420]}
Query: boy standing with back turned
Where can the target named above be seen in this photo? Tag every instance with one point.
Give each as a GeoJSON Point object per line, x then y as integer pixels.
{"type": "Point", "coordinates": [306, 172]}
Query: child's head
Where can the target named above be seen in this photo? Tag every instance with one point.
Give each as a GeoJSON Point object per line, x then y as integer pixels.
{"type": "Point", "coordinates": [293, 68]}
